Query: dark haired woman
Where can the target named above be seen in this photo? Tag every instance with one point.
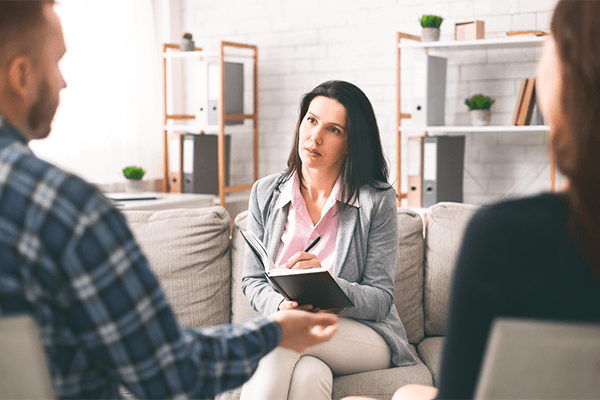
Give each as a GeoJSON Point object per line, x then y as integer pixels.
{"type": "Point", "coordinates": [336, 186]}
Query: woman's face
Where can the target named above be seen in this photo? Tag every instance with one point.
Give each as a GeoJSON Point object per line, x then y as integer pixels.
{"type": "Point", "coordinates": [323, 143]}
{"type": "Point", "coordinates": [548, 85]}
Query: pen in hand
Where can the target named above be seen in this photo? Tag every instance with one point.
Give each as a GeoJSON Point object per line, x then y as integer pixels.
{"type": "Point", "coordinates": [312, 244]}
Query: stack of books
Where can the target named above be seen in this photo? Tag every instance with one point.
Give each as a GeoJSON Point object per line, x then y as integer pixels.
{"type": "Point", "coordinates": [524, 109]}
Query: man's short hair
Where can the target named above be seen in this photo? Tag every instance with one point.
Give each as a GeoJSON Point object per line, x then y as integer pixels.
{"type": "Point", "coordinates": [22, 24]}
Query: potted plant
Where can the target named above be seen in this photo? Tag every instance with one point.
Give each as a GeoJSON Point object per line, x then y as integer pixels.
{"type": "Point", "coordinates": [134, 177]}
{"type": "Point", "coordinates": [187, 44]}
{"type": "Point", "coordinates": [431, 28]}
{"type": "Point", "coordinates": [479, 108]}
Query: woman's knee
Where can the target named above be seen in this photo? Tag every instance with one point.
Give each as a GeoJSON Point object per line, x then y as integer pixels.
{"type": "Point", "coordinates": [312, 378]}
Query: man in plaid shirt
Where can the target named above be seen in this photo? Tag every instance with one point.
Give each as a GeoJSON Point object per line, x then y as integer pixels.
{"type": "Point", "coordinates": [68, 259]}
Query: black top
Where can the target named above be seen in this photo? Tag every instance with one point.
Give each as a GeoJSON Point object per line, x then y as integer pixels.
{"type": "Point", "coordinates": [518, 259]}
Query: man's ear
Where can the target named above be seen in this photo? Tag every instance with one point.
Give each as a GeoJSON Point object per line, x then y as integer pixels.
{"type": "Point", "coordinates": [20, 76]}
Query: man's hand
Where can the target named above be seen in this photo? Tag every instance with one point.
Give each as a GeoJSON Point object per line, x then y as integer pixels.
{"type": "Point", "coordinates": [302, 329]}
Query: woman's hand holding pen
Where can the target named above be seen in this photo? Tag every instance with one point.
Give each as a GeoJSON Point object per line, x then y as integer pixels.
{"type": "Point", "coordinates": [302, 260]}
{"type": "Point", "coordinates": [308, 262]}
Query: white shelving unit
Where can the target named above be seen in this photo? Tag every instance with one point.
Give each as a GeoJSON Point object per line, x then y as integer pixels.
{"type": "Point", "coordinates": [412, 42]}
{"type": "Point", "coordinates": [479, 44]}
{"type": "Point", "coordinates": [475, 129]}
{"type": "Point", "coordinates": [172, 180]}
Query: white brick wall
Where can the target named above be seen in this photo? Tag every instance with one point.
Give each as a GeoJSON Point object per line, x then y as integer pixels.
{"type": "Point", "coordinates": [303, 43]}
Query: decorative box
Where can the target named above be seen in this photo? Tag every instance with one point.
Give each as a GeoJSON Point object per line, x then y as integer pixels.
{"type": "Point", "coordinates": [469, 30]}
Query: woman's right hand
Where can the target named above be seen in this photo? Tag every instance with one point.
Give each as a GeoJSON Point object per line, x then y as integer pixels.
{"type": "Point", "coordinates": [293, 305]}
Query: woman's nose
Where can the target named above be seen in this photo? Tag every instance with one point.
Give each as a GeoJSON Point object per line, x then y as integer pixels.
{"type": "Point", "coordinates": [317, 135]}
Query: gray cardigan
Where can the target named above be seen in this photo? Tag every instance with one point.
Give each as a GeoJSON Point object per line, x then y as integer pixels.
{"type": "Point", "coordinates": [365, 259]}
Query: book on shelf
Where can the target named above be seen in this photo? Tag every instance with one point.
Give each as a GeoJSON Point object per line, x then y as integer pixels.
{"type": "Point", "coordinates": [313, 286]}
{"type": "Point", "coordinates": [536, 33]}
{"type": "Point", "coordinates": [519, 101]}
{"type": "Point", "coordinates": [525, 103]}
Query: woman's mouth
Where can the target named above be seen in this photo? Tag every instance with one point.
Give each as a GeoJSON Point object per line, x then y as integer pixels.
{"type": "Point", "coordinates": [312, 151]}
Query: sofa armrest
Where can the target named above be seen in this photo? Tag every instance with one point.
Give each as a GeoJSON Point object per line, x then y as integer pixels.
{"type": "Point", "coordinates": [188, 250]}
{"type": "Point", "coordinates": [241, 310]}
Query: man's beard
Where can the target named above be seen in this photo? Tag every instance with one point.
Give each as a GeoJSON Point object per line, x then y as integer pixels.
{"type": "Point", "coordinates": [42, 112]}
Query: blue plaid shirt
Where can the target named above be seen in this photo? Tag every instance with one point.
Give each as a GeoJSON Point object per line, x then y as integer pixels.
{"type": "Point", "coordinates": [68, 259]}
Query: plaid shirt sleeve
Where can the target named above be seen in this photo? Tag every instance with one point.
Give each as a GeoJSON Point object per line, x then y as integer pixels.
{"type": "Point", "coordinates": [125, 321]}
{"type": "Point", "coordinates": [120, 314]}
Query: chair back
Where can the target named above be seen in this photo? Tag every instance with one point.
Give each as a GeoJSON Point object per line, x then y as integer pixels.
{"type": "Point", "coordinates": [532, 359]}
{"type": "Point", "coordinates": [23, 369]}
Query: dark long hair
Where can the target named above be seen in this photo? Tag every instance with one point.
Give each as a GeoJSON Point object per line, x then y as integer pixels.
{"type": "Point", "coordinates": [365, 163]}
{"type": "Point", "coordinates": [576, 142]}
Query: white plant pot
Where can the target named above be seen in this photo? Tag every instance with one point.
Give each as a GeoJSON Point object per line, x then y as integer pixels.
{"type": "Point", "coordinates": [134, 186]}
{"type": "Point", "coordinates": [187, 45]}
{"type": "Point", "coordinates": [430, 35]}
{"type": "Point", "coordinates": [480, 117]}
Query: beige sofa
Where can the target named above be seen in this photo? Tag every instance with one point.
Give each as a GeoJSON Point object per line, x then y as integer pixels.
{"type": "Point", "coordinates": [199, 266]}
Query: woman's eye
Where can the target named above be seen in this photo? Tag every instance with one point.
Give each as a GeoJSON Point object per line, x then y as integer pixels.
{"type": "Point", "coordinates": [334, 130]}
{"type": "Point", "coordinates": [310, 119]}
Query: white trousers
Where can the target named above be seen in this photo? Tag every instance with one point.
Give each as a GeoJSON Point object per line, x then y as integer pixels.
{"type": "Point", "coordinates": [286, 374]}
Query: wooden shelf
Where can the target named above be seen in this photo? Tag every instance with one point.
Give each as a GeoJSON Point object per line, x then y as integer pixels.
{"type": "Point", "coordinates": [172, 180]}
{"type": "Point", "coordinates": [191, 54]}
{"type": "Point", "coordinates": [493, 43]}
{"type": "Point", "coordinates": [476, 129]}
{"type": "Point", "coordinates": [204, 54]}
{"type": "Point", "coordinates": [191, 128]}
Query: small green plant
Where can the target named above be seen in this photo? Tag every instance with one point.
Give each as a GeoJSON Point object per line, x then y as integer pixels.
{"type": "Point", "coordinates": [187, 36]}
{"type": "Point", "coordinates": [133, 172]}
{"type": "Point", "coordinates": [431, 21]}
{"type": "Point", "coordinates": [479, 102]}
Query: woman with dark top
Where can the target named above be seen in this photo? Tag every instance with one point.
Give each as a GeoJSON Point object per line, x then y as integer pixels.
{"type": "Point", "coordinates": [537, 257]}
{"type": "Point", "coordinates": [335, 186]}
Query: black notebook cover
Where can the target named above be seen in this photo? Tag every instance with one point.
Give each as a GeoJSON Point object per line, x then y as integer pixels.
{"type": "Point", "coordinates": [313, 286]}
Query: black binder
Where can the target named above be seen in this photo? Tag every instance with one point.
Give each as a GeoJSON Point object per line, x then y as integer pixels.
{"type": "Point", "coordinates": [443, 166]}
{"type": "Point", "coordinates": [201, 163]}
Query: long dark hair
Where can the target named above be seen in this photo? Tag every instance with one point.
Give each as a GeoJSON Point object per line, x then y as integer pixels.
{"type": "Point", "coordinates": [576, 142]}
{"type": "Point", "coordinates": [365, 163]}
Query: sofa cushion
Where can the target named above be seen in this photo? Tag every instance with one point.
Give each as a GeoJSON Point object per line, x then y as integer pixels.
{"type": "Point", "coordinates": [430, 351]}
{"type": "Point", "coordinates": [446, 223]}
{"type": "Point", "coordinates": [409, 274]}
{"type": "Point", "coordinates": [241, 310]}
{"type": "Point", "coordinates": [188, 250]}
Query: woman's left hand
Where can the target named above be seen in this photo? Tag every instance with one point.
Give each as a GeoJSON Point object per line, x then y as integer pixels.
{"type": "Point", "coordinates": [303, 260]}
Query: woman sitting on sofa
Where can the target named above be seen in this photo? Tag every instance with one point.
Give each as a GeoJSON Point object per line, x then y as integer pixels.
{"type": "Point", "coordinates": [335, 186]}
{"type": "Point", "coordinates": [537, 257]}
